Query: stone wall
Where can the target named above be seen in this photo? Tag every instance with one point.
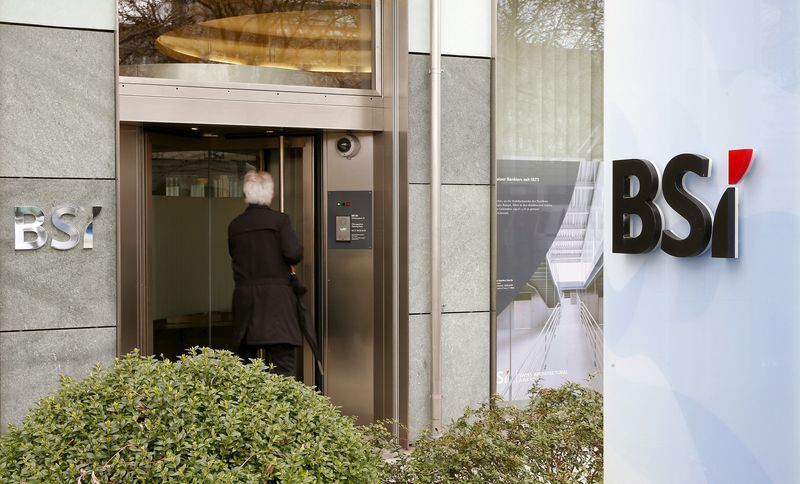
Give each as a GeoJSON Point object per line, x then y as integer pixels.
{"type": "Point", "coordinates": [58, 311]}
{"type": "Point", "coordinates": [466, 213]}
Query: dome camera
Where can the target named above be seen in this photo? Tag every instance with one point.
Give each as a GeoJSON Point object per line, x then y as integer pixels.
{"type": "Point", "coordinates": [348, 146]}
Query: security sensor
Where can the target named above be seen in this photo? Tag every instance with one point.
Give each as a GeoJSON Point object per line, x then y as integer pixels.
{"type": "Point", "coordinates": [348, 146]}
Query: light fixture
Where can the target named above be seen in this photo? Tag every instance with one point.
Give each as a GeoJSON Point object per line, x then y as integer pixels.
{"type": "Point", "coordinates": [194, 128]}
{"type": "Point", "coordinates": [325, 40]}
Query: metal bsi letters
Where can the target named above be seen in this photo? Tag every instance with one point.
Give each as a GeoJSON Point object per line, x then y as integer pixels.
{"type": "Point", "coordinates": [30, 220]}
{"type": "Point", "coordinates": [720, 230]}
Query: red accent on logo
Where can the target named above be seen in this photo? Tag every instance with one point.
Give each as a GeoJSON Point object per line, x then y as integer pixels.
{"type": "Point", "coordinates": [739, 162]}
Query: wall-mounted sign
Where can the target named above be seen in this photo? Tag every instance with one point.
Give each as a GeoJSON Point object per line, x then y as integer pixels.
{"type": "Point", "coordinates": [350, 220]}
{"type": "Point", "coordinates": [65, 219]}
{"type": "Point", "coordinates": [719, 230]}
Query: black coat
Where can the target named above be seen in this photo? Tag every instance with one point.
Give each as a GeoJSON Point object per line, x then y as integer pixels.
{"type": "Point", "coordinates": [262, 246]}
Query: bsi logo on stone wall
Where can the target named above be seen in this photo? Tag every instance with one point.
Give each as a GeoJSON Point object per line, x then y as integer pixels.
{"type": "Point", "coordinates": [65, 219]}
{"type": "Point", "coordinates": [720, 230]}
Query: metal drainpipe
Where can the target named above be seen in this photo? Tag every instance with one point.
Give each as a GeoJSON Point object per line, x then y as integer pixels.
{"type": "Point", "coordinates": [436, 279]}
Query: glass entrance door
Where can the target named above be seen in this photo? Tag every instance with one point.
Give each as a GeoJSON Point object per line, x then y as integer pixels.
{"type": "Point", "coordinates": [196, 190]}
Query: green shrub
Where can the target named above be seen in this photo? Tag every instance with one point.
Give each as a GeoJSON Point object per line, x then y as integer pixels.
{"type": "Point", "coordinates": [204, 418]}
{"type": "Point", "coordinates": [557, 438]}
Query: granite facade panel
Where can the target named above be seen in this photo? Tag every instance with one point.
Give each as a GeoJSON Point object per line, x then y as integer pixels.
{"type": "Point", "coordinates": [465, 367]}
{"type": "Point", "coordinates": [57, 103]}
{"type": "Point", "coordinates": [466, 234]}
{"type": "Point", "coordinates": [419, 374]}
{"type": "Point", "coordinates": [31, 362]}
{"type": "Point", "coordinates": [465, 362]}
{"type": "Point", "coordinates": [48, 288]}
{"type": "Point", "coordinates": [466, 120]}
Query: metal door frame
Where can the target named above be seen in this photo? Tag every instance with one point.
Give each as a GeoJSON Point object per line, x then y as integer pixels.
{"type": "Point", "coordinates": [309, 235]}
{"type": "Point", "coordinates": [386, 115]}
{"type": "Point", "coordinates": [136, 225]}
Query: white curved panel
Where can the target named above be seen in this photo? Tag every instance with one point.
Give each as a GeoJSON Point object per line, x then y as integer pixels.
{"type": "Point", "coordinates": [83, 14]}
{"type": "Point", "coordinates": [702, 354]}
{"type": "Point", "coordinates": [466, 27]}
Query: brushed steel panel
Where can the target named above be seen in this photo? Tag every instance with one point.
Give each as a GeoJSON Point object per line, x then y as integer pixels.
{"type": "Point", "coordinates": [394, 256]}
{"type": "Point", "coordinates": [243, 92]}
{"type": "Point", "coordinates": [309, 241]}
{"type": "Point", "coordinates": [355, 173]}
{"type": "Point", "coordinates": [132, 237]}
{"type": "Point", "coordinates": [349, 327]}
{"type": "Point", "coordinates": [153, 109]}
{"type": "Point", "coordinates": [350, 350]}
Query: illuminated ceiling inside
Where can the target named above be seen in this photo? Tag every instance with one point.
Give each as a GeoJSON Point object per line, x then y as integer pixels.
{"type": "Point", "coordinates": [324, 40]}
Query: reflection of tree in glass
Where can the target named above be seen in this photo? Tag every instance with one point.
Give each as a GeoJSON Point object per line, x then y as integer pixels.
{"type": "Point", "coordinates": [337, 26]}
{"type": "Point", "coordinates": [571, 24]}
{"type": "Point", "coordinates": [550, 79]}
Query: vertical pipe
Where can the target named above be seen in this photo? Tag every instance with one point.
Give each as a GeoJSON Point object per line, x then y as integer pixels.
{"type": "Point", "coordinates": [280, 149]}
{"type": "Point", "coordinates": [261, 351]}
{"type": "Point", "coordinates": [436, 280]}
{"type": "Point", "coordinates": [493, 219]}
{"type": "Point", "coordinates": [396, 219]}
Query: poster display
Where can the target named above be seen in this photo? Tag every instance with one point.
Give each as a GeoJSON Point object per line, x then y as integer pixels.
{"type": "Point", "coordinates": [549, 275]}
{"type": "Point", "coordinates": [549, 116]}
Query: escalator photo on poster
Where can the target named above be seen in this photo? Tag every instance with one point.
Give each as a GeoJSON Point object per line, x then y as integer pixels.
{"type": "Point", "coordinates": [549, 275]}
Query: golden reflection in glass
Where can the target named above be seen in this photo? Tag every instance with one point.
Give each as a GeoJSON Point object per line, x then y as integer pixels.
{"type": "Point", "coordinates": [326, 42]}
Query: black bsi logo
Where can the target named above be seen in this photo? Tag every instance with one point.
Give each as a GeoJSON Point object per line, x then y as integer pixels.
{"type": "Point", "coordinates": [719, 230]}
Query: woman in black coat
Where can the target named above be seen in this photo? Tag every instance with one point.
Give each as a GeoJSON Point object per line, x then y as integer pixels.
{"type": "Point", "coordinates": [263, 246]}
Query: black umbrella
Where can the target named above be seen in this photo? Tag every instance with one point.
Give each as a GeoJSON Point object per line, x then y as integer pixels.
{"type": "Point", "coordinates": [304, 319]}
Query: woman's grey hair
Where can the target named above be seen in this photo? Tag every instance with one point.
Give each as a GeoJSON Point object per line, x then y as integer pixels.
{"type": "Point", "coordinates": [258, 188]}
